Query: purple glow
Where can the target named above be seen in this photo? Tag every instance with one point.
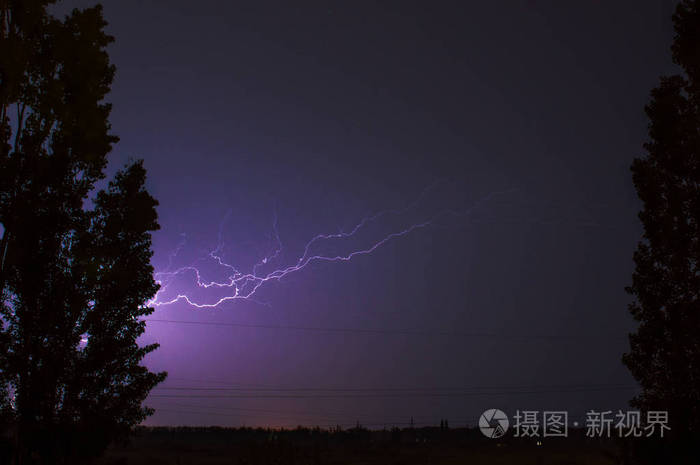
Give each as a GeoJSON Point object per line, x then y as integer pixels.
{"type": "Point", "coordinates": [244, 285]}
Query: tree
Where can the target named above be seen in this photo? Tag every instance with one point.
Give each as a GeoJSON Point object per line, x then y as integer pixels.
{"type": "Point", "coordinates": [73, 280]}
{"type": "Point", "coordinates": [665, 350]}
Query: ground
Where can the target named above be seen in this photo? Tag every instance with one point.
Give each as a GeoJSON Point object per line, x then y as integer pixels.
{"type": "Point", "coordinates": [214, 446]}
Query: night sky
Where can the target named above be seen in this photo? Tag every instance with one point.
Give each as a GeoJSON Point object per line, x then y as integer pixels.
{"type": "Point", "coordinates": [487, 147]}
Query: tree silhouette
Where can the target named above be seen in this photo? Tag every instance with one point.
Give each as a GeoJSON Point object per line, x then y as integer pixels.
{"type": "Point", "coordinates": [73, 280]}
{"type": "Point", "coordinates": [665, 354]}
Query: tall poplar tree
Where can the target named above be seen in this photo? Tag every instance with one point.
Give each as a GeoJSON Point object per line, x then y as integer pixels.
{"type": "Point", "coordinates": [665, 349]}
{"type": "Point", "coordinates": [73, 280]}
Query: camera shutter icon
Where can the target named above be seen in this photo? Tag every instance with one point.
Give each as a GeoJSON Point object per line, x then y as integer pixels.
{"type": "Point", "coordinates": [493, 423]}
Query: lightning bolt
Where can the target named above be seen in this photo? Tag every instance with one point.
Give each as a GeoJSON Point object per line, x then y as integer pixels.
{"type": "Point", "coordinates": [243, 285]}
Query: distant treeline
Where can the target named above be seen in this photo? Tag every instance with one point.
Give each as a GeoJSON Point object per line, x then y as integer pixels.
{"type": "Point", "coordinates": [337, 433]}
{"type": "Point", "coordinates": [302, 434]}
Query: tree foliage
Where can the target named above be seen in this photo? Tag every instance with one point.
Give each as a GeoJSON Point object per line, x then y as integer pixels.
{"type": "Point", "coordinates": [73, 280]}
{"type": "Point", "coordinates": [665, 350]}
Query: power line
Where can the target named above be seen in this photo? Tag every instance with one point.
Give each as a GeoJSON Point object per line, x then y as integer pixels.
{"type": "Point", "coordinates": [239, 415]}
{"type": "Point", "coordinates": [354, 413]}
{"type": "Point", "coordinates": [394, 389]}
{"type": "Point", "coordinates": [378, 331]}
{"type": "Point", "coordinates": [308, 413]}
{"type": "Point", "coordinates": [392, 395]}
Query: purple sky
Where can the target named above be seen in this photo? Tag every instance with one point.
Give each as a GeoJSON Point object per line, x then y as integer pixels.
{"type": "Point", "coordinates": [261, 121]}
